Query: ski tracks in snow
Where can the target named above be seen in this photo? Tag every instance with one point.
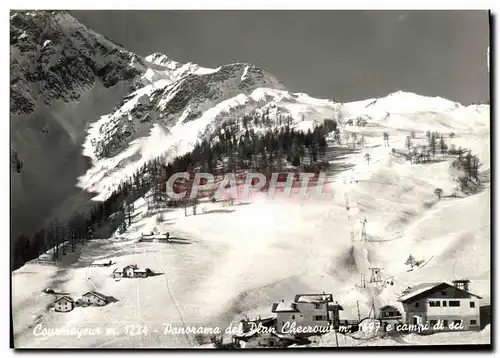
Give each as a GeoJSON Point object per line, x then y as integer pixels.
{"type": "Point", "coordinates": [174, 302]}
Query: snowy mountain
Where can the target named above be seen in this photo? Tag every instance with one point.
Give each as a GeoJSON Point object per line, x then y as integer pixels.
{"type": "Point", "coordinates": [82, 89]}
{"type": "Point", "coordinates": [64, 77]}
{"type": "Point", "coordinates": [54, 57]}
{"type": "Point", "coordinates": [86, 114]}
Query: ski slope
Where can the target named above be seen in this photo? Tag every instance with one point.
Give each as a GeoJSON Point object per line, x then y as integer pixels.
{"type": "Point", "coordinates": [235, 261]}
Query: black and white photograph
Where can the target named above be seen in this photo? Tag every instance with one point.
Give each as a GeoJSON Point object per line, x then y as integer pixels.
{"type": "Point", "coordinates": [250, 179]}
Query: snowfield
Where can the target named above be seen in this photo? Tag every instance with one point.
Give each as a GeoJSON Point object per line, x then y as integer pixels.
{"type": "Point", "coordinates": [228, 262]}
{"type": "Point", "coordinates": [89, 113]}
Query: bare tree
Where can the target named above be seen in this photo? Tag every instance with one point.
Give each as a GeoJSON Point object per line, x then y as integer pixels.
{"type": "Point", "coordinates": [367, 158]}
{"type": "Point", "coordinates": [362, 141]}
{"type": "Point", "coordinates": [55, 238]}
{"type": "Point", "coordinates": [129, 209]}
{"type": "Point", "coordinates": [433, 145]}
{"type": "Point", "coordinates": [442, 145]}
{"type": "Point", "coordinates": [386, 139]}
{"type": "Point", "coordinates": [439, 193]}
{"type": "Point", "coordinates": [410, 261]}
{"type": "Point", "coordinates": [408, 142]}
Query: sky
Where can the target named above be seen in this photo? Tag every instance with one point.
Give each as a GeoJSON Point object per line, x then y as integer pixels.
{"type": "Point", "coordinates": [341, 55]}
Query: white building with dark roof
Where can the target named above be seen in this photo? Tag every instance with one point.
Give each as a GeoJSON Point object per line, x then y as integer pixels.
{"type": "Point", "coordinates": [64, 304]}
{"type": "Point", "coordinates": [431, 303]}
{"type": "Point", "coordinates": [306, 312]}
{"type": "Point", "coordinates": [95, 298]}
{"type": "Point", "coordinates": [131, 271]}
{"type": "Point", "coordinates": [102, 263]}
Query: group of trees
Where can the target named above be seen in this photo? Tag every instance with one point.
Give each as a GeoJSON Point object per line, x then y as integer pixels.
{"type": "Point", "coordinates": [469, 164]}
{"type": "Point", "coordinates": [360, 122]}
{"type": "Point", "coordinates": [61, 238]}
{"type": "Point", "coordinates": [273, 149]}
{"type": "Point", "coordinates": [465, 161]}
{"type": "Point", "coordinates": [425, 153]}
{"type": "Point", "coordinates": [350, 139]}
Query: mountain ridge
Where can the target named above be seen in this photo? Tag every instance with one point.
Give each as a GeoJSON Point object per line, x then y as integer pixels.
{"type": "Point", "coordinates": [119, 106]}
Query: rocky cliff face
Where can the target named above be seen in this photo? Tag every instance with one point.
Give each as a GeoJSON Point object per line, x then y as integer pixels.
{"type": "Point", "coordinates": [71, 87]}
{"type": "Point", "coordinates": [169, 104]}
{"type": "Point", "coordinates": [63, 76]}
{"type": "Point", "coordinates": [54, 57]}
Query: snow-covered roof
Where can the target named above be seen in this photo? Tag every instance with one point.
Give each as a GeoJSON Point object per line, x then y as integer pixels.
{"type": "Point", "coordinates": [97, 294]}
{"type": "Point", "coordinates": [101, 262]}
{"type": "Point", "coordinates": [122, 268]}
{"type": "Point", "coordinates": [313, 298]}
{"type": "Point", "coordinates": [284, 307]}
{"type": "Point", "coordinates": [141, 270]}
{"type": "Point", "coordinates": [155, 236]}
{"type": "Point", "coordinates": [424, 287]}
{"type": "Point", "coordinates": [65, 298]}
{"type": "Point", "coordinates": [418, 289]}
{"type": "Point", "coordinates": [335, 304]}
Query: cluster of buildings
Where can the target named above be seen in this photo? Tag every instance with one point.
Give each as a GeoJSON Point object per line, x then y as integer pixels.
{"type": "Point", "coordinates": [66, 303]}
{"type": "Point", "coordinates": [92, 298]}
{"type": "Point", "coordinates": [425, 304]}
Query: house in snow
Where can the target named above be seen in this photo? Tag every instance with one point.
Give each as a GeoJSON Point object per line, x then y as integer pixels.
{"type": "Point", "coordinates": [154, 238]}
{"type": "Point", "coordinates": [306, 312]}
{"type": "Point", "coordinates": [389, 313]}
{"type": "Point", "coordinates": [102, 263]}
{"type": "Point", "coordinates": [95, 298]}
{"type": "Point", "coordinates": [142, 273]}
{"type": "Point", "coordinates": [430, 303]}
{"type": "Point", "coordinates": [64, 304]}
{"type": "Point", "coordinates": [131, 271]}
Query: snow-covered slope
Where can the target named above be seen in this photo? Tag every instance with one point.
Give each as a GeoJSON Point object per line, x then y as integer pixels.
{"type": "Point", "coordinates": [123, 110]}
{"type": "Point", "coordinates": [160, 67]}
{"type": "Point", "coordinates": [228, 263]}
